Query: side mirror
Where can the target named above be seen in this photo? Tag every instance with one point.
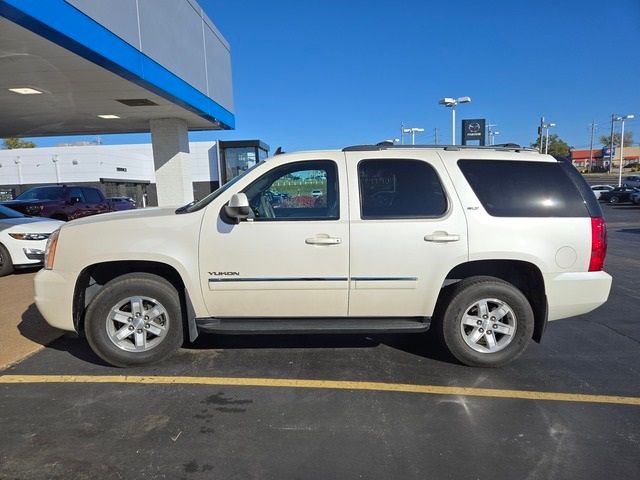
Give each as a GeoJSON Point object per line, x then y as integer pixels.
{"type": "Point", "coordinates": [238, 208]}
{"type": "Point", "coordinates": [74, 200]}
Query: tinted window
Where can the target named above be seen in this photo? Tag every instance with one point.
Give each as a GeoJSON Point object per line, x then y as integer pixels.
{"type": "Point", "coordinates": [524, 189]}
{"type": "Point", "coordinates": [9, 213]}
{"type": "Point", "coordinates": [76, 193]}
{"type": "Point", "coordinates": [42, 193]}
{"type": "Point", "coordinates": [298, 191]}
{"type": "Point", "coordinates": [399, 189]}
{"type": "Point", "coordinates": [92, 195]}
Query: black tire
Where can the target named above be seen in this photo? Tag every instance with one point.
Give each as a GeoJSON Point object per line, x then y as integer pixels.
{"type": "Point", "coordinates": [100, 326]}
{"type": "Point", "coordinates": [459, 302]}
{"type": "Point", "coordinates": [6, 264]}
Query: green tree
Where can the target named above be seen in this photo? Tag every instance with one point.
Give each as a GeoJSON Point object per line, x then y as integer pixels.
{"type": "Point", "coordinates": [605, 140]}
{"type": "Point", "coordinates": [11, 143]}
{"type": "Point", "coordinates": [557, 147]}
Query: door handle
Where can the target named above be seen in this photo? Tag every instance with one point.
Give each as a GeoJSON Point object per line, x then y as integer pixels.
{"type": "Point", "coordinates": [323, 239]}
{"type": "Point", "coordinates": [441, 237]}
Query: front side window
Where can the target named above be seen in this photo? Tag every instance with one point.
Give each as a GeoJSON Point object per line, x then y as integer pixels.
{"type": "Point", "coordinates": [396, 189]}
{"type": "Point", "coordinates": [298, 191]}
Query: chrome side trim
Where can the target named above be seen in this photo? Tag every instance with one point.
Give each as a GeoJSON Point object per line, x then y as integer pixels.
{"type": "Point", "coordinates": [385, 279]}
{"type": "Point", "coordinates": [281, 279]}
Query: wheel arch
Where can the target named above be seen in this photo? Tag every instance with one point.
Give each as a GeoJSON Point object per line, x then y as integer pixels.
{"type": "Point", "coordinates": [525, 276]}
{"type": "Point", "coordinates": [94, 277]}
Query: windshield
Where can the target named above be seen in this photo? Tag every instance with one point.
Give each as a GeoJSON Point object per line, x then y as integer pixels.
{"type": "Point", "coordinates": [197, 205]}
{"type": "Point", "coordinates": [42, 193]}
{"type": "Point", "coordinates": [9, 213]}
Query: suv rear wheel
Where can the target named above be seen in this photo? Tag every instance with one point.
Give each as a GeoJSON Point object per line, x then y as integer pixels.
{"type": "Point", "coordinates": [487, 322]}
{"type": "Point", "coordinates": [135, 319]}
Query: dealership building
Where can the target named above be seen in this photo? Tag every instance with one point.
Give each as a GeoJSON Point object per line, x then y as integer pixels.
{"type": "Point", "coordinates": [89, 67]}
{"type": "Point", "coordinates": [123, 170]}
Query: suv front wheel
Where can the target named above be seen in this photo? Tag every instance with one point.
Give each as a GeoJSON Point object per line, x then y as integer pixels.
{"type": "Point", "coordinates": [135, 319]}
{"type": "Point", "coordinates": [486, 323]}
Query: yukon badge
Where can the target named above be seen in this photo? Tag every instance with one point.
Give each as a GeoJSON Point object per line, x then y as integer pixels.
{"type": "Point", "coordinates": [224, 274]}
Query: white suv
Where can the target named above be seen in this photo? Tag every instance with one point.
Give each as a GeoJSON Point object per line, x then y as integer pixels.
{"type": "Point", "coordinates": [483, 244]}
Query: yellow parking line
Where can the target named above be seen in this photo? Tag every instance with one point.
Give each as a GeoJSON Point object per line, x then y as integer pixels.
{"type": "Point", "coordinates": [322, 384]}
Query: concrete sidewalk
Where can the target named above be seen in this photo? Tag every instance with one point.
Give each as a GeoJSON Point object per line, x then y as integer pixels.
{"type": "Point", "coordinates": [24, 331]}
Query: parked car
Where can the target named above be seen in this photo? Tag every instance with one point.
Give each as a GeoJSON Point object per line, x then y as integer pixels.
{"type": "Point", "coordinates": [486, 268]}
{"type": "Point", "coordinates": [316, 193]}
{"type": "Point", "coordinates": [598, 189]}
{"type": "Point", "coordinates": [22, 239]}
{"type": "Point", "coordinates": [632, 181]}
{"type": "Point", "coordinates": [60, 202]}
{"type": "Point", "coordinates": [618, 195]}
{"type": "Point", "coordinates": [121, 203]}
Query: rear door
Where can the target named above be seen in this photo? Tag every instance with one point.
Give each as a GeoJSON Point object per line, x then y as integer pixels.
{"type": "Point", "coordinates": [407, 232]}
{"type": "Point", "coordinates": [95, 201]}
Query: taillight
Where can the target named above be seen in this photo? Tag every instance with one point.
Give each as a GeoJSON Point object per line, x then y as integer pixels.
{"type": "Point", "coordinates": [598, 244]}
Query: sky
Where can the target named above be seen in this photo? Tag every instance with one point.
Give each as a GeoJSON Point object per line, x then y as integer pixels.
{"type": "Point", "coordinates": [314, 74]}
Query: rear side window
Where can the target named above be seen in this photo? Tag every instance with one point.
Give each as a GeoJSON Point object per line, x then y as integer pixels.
{"type": "Point", "coordinates": [394, 188]}
{"type": "Point", "coordinates": [92, 195]}
{"type": "Point", "coordinates": [524, 189]}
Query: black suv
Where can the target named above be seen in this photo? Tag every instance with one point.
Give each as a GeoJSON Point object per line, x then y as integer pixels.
{"type": "Point", "coordinates": [60, 202]}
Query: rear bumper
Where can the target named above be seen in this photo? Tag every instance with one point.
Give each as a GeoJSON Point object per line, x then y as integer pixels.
{"type": "Point", "coordinates": [54, 297]}
{"type": "Point", "coordinates": [576, 293]}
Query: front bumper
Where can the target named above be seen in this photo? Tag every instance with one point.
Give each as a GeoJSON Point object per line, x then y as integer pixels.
{"type": "Point", "coordinates": [576, 293]}
{"type": "Point", "coordinates": [54, 297]}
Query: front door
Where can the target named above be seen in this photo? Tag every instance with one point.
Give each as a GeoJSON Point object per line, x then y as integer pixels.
{"type": "Point", "coordinates": [291, 257]}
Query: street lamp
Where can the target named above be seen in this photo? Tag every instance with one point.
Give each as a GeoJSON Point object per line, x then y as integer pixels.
{"type": "Point", "coordinates": [546, 143]}
{"type": "Point", "coordinates": [413, 132]}
{"type": "Point", "coordinates": [622, 119]}
{"type": "Point", "coordinates": [452, 102]}
{"type": "Point", "coordinates": [493, 137]}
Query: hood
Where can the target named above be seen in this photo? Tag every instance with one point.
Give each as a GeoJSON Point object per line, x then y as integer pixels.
{"type": "Point", "coordinates": [142, 213]}
{"type": "Point", "coordinates": [30, 225]}
{"type": "Point", "coordinates": [17, 203]}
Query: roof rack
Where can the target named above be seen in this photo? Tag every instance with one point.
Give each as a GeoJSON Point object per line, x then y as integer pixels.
{"type": "Point", "coordinates": [502, 147]}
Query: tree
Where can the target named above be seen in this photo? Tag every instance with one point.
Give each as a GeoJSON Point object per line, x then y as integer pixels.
{"type": "Point", "coordinates": [605, 140]}
{"type": "Point", "coordinates": [557, 147]}
{"type": "Point", "coordinates": [11, 143]}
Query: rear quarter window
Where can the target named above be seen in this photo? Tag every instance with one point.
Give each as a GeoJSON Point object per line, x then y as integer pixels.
{"type": "Point", "coordinates": [524, 189]}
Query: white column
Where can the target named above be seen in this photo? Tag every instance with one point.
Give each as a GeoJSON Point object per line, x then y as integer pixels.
{"type": "Point", "coordinates": [170, 142]}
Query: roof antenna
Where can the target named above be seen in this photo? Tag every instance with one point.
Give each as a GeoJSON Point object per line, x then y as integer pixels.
{"type": "Point", "coordinates": [279, 151]}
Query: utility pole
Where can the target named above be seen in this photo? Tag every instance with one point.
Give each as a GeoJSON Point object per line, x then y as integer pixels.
{"type": "Point", "coordinates": [435, 136]}
{"type": "Point", "coordinates": [401, 133]}
{"type": "Point", "coordinates": [593, 130]}
{"type": "Point", "coordinates": [540, 133]}
{"type": "Point", "coordinates": [613, 118]}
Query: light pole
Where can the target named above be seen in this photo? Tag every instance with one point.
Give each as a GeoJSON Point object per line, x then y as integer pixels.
{"type": "Point", "coordinates": [413, 131]}
{"type": "Point", "coordinates": [493, 137]}
{"type": "Point", "coordinates": [546, 143]}
{"type": "Point", "coordinates": [621, 120]}
{"type": "Point", "coordinates": [453, 102]}
{"type": "Point", "coordinates": [491, 132]}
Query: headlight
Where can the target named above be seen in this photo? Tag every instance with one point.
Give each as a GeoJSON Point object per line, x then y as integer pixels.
{"type": "Point", "coordinates": [29, 236]}
{"type": "Point", "coordinates": [50, 250]}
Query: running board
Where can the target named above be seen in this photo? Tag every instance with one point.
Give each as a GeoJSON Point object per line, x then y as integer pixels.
{"type": "Point", "coordinates": [240, 326]}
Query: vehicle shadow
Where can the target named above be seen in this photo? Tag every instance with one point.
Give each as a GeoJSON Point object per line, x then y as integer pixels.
{"type": "Point", "coordinates": [34, 327]}
{"type": "Point", "coordinates": [423, 344]}
{"type": "Point", "coordinates": [629, 230]}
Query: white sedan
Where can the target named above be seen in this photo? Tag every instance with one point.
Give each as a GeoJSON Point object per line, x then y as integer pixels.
{"type": "Point", "coordinates": [23, 239]}
{"type": "Point", "coordinates": [598, 189]}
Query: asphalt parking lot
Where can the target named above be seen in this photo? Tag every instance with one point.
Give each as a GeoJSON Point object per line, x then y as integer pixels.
{"type": "Point", "coordinates": [349, 406]}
